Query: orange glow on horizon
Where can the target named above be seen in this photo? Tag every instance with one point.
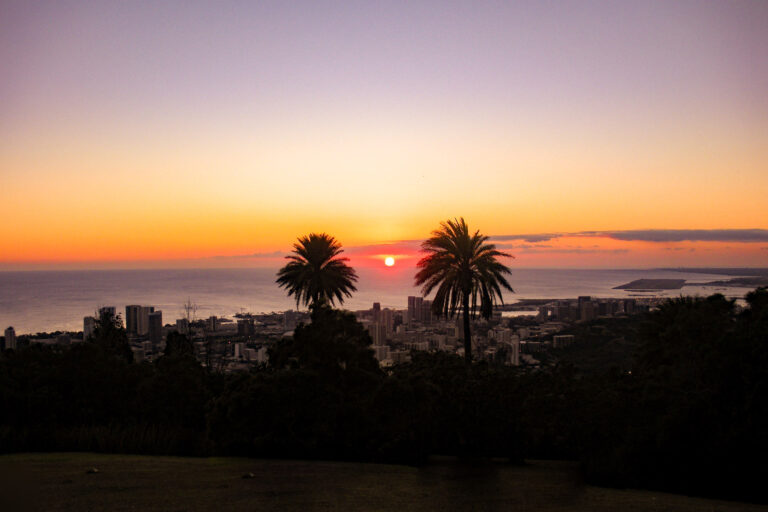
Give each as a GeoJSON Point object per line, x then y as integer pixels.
{"type": "Point", "coordinates": [562, 252]}
{"type": "Point", "coordinates": [218, 143]}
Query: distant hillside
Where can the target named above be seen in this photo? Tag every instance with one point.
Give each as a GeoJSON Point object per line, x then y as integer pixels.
{"type": "Point", "coordinates": [743, 271]}
{"type": "Point", "coordinates": [652, 284]}
{"type": "Point", "coordinates": [742, 282]}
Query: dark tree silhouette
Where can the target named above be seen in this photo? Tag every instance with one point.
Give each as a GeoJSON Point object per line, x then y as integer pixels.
{"type": "Point", "coordinates": [110, 335]}
{"type": "Point", "coordinates": [334, 339]}
{"type": "Point", "coordinates": [178, 345]}
{"type": "Point", "coordinates": [464, 270]}
{"type": "Point", "coordinates": [316, 273]}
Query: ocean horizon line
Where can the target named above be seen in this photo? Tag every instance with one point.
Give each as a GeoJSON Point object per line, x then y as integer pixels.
{"type": "Point", "coordinates": [373, 267]}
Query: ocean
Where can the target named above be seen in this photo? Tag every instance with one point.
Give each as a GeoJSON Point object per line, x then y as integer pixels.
{"type": "Point", "coordinates": [46, 301]}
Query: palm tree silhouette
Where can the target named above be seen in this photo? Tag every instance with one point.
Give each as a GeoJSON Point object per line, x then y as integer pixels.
{"type": "Point", "coordinates": [316, 274]}
{"type": "Point", "coordinates": [464, 270]}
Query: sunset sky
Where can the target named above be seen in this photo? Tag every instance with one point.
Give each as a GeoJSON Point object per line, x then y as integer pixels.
{"type": "Point", "coordinates": [577, 134]}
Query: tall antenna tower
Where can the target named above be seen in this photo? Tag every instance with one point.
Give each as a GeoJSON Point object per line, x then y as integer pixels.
{"type": "Point", "coordinates": [190, 312]}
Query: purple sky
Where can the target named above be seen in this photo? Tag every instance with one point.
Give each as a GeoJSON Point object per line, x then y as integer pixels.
{"type": "Point", "coordinates": [184, 57]}
{"type": "Point", "coordinates": [232, 127]}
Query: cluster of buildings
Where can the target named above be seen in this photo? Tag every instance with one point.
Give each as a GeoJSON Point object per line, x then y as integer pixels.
{"type": "Point", "coordinates": [586, 308]}
{"type": "Point", "coordinates": [218, 342]}
{"type": "Point", "coordinates": [13, 341]}
{"type": "Point", "coordinates": [503, 339]}
{"type": "Point", "coordinates": [396, 333]}
{"type": "Point", "coordinates": [224, 343]}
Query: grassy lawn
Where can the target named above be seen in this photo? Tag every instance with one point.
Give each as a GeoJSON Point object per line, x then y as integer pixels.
{"type": "Point", "coordinates": [60, 481]}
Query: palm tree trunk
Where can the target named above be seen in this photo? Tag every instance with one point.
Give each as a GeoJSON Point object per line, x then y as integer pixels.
{"type": "Point", "coordinates": [467, 335]}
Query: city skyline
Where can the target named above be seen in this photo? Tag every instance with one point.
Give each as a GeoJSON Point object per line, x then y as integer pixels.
{"type": "Point", "coordinates": [181, 135]}
{"type": "Point", "coordinates": [414, 254]}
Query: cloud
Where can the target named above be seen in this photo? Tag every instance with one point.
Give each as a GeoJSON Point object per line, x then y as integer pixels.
{"type": "Point", "coordinates": [531, 243]}
{"type": "Point", "coordinates": [397, 247]}
{"type": "Point", "coordinates": [655, 235]}
{"type": "Point", "coordinates": [273, 254]}
{"type": "Point", "coordinates": [531, 238]}
{"type": "Point", "coordinates": [691, 235]}
{"type": "Point", "coordinates": [577, 250]}
{"type": "Point", "coordinates": [547, 249]}
{"type": "Point", "coordinates": [507, 246]}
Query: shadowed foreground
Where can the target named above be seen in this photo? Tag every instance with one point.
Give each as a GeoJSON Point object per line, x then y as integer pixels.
{"type": "Point", "coordinates": [60, 481]}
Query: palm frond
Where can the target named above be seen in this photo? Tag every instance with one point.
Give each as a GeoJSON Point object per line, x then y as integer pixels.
{"type": "Point", "coordinates": [315, 271]}
{"type": "Point", "coordinates": [458, 263]}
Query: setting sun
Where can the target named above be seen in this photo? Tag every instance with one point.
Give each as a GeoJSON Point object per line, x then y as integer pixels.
{"type": "Point", "coordinates": [389, 261]}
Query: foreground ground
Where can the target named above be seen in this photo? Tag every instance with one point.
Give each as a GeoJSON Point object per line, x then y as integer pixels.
{"type": "Point", "coordinates": [61, 481]}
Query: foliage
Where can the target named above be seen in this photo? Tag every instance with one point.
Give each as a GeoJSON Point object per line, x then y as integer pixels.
{"type": "Point", "coordinates": [600, 345]}
{"type": "Point", "coordinates": [693, 414]}
{"type": "Point", "coordinates": [110, 335]}
{"type": "Point", "coordinates": [178, 345]}
{"type": "Point", "coordinates": [686, 413]}
{"type": "Point", "coordinates": [314, 400]}
{"type": "Point", "coordinates": [333, 339]}
{"type": "Point", "coordinates": [464, 272]}
{"type": "Point", "coordinates": [316, 273]}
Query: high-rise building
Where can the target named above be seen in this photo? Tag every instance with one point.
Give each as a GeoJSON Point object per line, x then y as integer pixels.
{"type": "Point", "coordinates": [212, 323]}
{"type": "Point", "coordinates": [415, 308]}
{"type": "Point", "coordinates": [426, 311]}
{"type": "Point", "coordinates": [182, 325]}
{"type": "Point", "coordinates": [514, 350]}
{"type": "Point", "coordinates": [142, 324]}
{"type": "Point", "coordinates": [89, 327]}
{"type": "Point", "coordinates": [376, 312]}
{"type": "Point", "coordinates": [10, 338]}
{"type": "Point", "coordinates": [562, 311]}
{"type": "Point", "coordinates": [605, 308]}
{"type": "Point", "coordinates": [155, 321]}
{"type": "Point", "coordinates": [378, 333]}
{"type": "Point", "coordinates": [132, 313]}
{"type": "Point", "coordinates": [388, 319]}
{"type": "Point", "coordinates": [586, 310]}
{"type": "Point", "coordinates": [245, 327]}
{"type": "Point", "coordinates": [290, 320]}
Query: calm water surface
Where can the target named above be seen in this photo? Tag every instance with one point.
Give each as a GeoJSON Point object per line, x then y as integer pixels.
{"type": "Point", "coordinates": [36, 301]}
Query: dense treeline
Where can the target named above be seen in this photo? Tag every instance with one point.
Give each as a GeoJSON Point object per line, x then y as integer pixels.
{"type": "Point", "coordinates": [693, 414]}
{"type": "Point", "coordinates": [683, 409]}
